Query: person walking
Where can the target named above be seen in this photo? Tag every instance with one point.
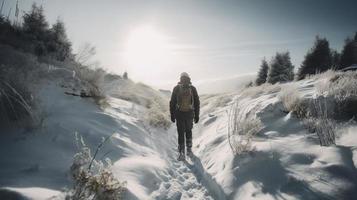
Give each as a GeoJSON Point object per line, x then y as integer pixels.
{"type": "Point", "coordinates": [184, 109]}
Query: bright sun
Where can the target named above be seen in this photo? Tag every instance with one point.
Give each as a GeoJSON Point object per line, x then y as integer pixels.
{"type": "Point", "coordinates": [147, 48]}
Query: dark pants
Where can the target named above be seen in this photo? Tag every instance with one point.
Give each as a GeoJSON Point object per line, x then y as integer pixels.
{"type": "Point", "coordinates": [184, 123]}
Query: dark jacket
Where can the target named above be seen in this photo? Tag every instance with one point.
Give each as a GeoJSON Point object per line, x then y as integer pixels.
{"type": "Point", "coordinates": [173, 101]}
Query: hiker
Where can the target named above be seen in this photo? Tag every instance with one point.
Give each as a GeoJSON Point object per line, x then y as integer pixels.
{"type": "Point", "coordinates": [184, 109]}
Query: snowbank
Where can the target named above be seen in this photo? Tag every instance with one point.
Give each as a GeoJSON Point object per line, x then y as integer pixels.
{"type": "Point", "coordinates": [287, 161]}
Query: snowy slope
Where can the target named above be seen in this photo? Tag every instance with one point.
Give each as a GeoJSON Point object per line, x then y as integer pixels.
{"type": "Point", "coordinates": [41, 157]}
{"type": "Point", "coordinates": [35, 163]}
{"type": "Point", "coordinates": [288, 162]}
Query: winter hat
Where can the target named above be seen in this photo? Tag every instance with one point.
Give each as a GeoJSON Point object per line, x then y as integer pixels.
{"type": "Point", "coordinates": [184, 74]}
{"type": "Point", "coordinates": [185, 78]}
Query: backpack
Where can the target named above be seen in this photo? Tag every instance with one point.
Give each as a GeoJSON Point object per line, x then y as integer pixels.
{"type": "Point", "coordinates": [185, 98]}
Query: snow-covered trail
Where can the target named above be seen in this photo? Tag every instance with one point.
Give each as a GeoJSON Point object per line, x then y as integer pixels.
{"type": "Point", "coordinates": [287, 161]}
{"type": "Point", "coordinates": [185, 179]}
{"type": "Point", "coordinates": [143, 156]}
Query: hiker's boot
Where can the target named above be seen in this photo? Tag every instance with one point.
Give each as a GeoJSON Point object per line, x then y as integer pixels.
{"type": "Point", "coordinates": [181, 156]}
{"type": "Point", "coordinates": [189, 152]}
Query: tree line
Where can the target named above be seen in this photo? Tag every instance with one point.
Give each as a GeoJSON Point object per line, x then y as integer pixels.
{"type": "Point", "coordinates": [36, 36]}
{"type": "Point", "coordinates": [318, 59]}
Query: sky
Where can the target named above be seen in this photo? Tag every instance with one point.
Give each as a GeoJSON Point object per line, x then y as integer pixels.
{"type": "Point", "coordinates": [155, 40]}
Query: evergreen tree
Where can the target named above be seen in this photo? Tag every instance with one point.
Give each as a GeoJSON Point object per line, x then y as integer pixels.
{"type": "Point", "coordinates": [35, 27]}
{"type": "Point", "coordinates": [335, 59]}
{"type": "Point", "coordinates": [281, 69]}
{"type": "Point", "coordinates": [349, 53]}
{"type": "Point", "coordinates": [263, 73]}
{"type": "Point", "coordinates": [59, 43]}
{"type": "Point", "coordinates": [318, 59]}
{"type": "Point", "coordinates": [35, 23]}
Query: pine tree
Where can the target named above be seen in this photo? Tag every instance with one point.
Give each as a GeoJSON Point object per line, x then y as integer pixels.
{"type": "Point", "coordinates": [59, 31]}
{"type": "Point", "coordinates": [318, 59]}
{"type": "Point", "coordinates": [35, 27]}
{"type": "Point", "coordinates": [59, 43]}
{"type": "Point", "coordinates": [263, 73]}
{"type": "Point", "coordinates": [335, 59]}
{"type": "Point", "coordinates": [349, 53]}
{"type": "Point", "coordinates": [35, 23]}
{"type": "Point", "coordinates": [281, 69]}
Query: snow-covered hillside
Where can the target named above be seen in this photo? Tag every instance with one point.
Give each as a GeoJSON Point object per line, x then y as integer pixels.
{"type": "Point", "coordinates": [225, 85]}
{"type": "Point", "coordinates": [35, 163]}
{"type": "Point", "coordinates": [285, 160]}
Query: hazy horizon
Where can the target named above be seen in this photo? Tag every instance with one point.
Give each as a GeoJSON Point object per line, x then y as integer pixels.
{"type": "Point", "coordinates": [156, 40]}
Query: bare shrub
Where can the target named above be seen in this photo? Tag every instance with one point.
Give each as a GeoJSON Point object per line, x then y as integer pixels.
{"type": "Point", "coordinates": [15, 104]}
{"type": "Point", "coordinates": [319, 120]}
{"type": "Point", "coordinates": [302, 109]}
{"type": "Point", "coordinates": [85, 53]}
{"type": "Point", "coordinates": [20, 73]}
{"type": "Point", "coordinates": [93, 180]}
{"type": "Point", "coordinates": [242, 126]}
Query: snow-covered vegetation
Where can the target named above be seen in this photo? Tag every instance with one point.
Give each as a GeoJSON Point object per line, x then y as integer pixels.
{"type": "Point", "coordinates": [242, 127]}
{"type": "Point", "coordinates": [288, 161]}
{"type": "Point", "coordinates": [290, 98]}
{"type": "Point", "coordinates": [93, 179]}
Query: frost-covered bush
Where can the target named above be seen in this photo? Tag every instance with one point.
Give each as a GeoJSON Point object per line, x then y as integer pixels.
{"type": "Point", "coordinates": [290, 98]}
{"type": "Point", "coordinates": [242, 126]}
{"type": "Point", "coordinates": [20, 74]}
{"type": "Point", "coordinates": [93, 180]}
{"type": "Point", "coordinates": [156, 117]}
{"type": "Point", "coordinates": [256, 91]}
{"type": "Point", "coordinates": [339, 85]}
{"type": "Point", "coordinates": [15, 102]}
{"type": "Point", "coordinates": [343, 86]}
{"type": "Point", "coordinates": [221, 101]}
{"type": "Point", "coordinates": [140, 94]}
{"type": "Point", "coordinates": [92, 79]}
{"type": "Point", "coordinates": [320, 121]}
{"type": "Point", "coordinates": [92, 83]}
{"type": "Point", "coordinates": [323, 75]}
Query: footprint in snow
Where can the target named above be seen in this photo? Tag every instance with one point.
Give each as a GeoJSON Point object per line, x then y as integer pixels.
{"type": "Point", "coordinates": [180, 178]}
{"type": "Point", "coordinates": [167, 185]}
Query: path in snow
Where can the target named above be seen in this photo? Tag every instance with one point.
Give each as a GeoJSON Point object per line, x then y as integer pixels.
{"type": "Point", "coordinates": [186, 179]}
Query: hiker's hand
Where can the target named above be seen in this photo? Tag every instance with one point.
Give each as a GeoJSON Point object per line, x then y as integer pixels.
{"type": "Point", "coordinates": [197, 119]}
{"type": "Point", "coordinates": [173, 119]}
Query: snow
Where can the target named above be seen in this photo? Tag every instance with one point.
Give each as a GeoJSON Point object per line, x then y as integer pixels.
{"type": "Point", "coordinates": [35, 193]}
{"type": "Point", "coordinates": [287, 161]}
